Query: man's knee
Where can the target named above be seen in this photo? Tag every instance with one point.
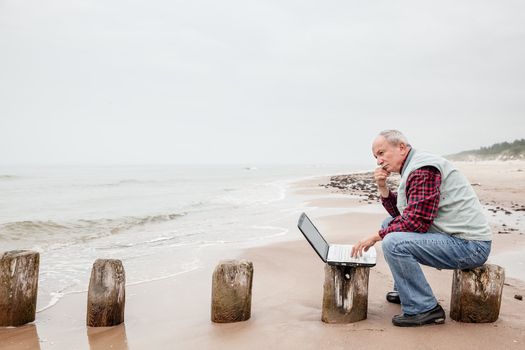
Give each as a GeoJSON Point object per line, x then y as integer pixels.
{"type": "Point", "coordinates": [391, 241]}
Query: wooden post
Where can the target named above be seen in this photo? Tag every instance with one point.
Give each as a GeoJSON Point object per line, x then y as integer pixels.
{"type": "Point", "coordinates": [106, 294]}
{"type": "Point", "coordinates": [18, 287]}
{"type": "Point", "coordinates": [231, 296]}
{"type": "Point", "coordinates": [476, 294]}
{"type": "Point", "coordinates": [345, 298]}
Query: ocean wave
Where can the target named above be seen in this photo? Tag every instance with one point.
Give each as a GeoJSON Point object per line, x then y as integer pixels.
{"type": "Point", "coordinates": [9, 177]}
{"type": "Point", "coordinates": [137, 182]}
{"type": "Point", "coordinates": [29, 226]}
{"type": "Point", "coordinates": [125, 182]}
{"type": "Point", "coordinates": [162, 240]}
{"type": "Point", "coordinates": [263, 193]}
{"type": "Point", "coordinates": [83, 229]}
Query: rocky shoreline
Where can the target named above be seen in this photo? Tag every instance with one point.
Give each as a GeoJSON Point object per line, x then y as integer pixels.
{"type": "Point", "coordinates": [361, 185]}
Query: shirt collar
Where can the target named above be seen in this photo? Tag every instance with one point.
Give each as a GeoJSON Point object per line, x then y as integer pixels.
{"type": "Point", "coordinates": [406, 161]}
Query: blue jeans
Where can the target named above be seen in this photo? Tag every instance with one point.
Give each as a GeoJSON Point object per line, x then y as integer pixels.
{"type": "Point", "coordinates": [405, 251]}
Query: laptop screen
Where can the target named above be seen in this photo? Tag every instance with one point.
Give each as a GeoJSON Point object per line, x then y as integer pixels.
{"type": "Point", "coordinates": [313, 236]}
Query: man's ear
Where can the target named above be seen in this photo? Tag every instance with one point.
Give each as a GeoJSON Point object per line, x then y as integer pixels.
{"type": "Point", "coordinates": [403, 148]}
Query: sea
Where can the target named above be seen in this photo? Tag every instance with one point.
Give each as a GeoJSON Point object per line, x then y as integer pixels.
{"type": "Point", "coordinates": [158, 219]}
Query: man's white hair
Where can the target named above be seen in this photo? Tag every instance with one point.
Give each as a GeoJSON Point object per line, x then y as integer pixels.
{"type": "Point", "coordinates": [394, 137]}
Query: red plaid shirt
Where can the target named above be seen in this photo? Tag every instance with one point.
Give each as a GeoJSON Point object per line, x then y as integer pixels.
{"type": "Point", "coordinates": [422, 191]}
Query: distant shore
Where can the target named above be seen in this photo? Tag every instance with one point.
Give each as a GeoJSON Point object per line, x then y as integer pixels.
{"type": "Point", "coordinates": [287, 290]}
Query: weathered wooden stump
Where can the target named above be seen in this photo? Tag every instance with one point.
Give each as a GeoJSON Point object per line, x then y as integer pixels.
{"type": "Point", "coordinates": [231, 296]}
{"type": "Point", "coordinates": [345, 298]}
{"type": "Point", "coordinates": [106, 294]}
{"type": "Point", "coordinates": [18, 287]}
{"type": "Point", "coordinates": [476, 294]}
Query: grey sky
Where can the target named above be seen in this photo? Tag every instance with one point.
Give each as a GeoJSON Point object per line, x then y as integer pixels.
{"type": "Point", "coordinates": [255, 81]}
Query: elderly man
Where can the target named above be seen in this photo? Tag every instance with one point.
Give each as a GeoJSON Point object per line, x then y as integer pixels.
{"type": "Point", "coordinates": [436, 220]}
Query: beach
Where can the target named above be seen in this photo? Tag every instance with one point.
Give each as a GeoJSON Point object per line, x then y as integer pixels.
{"type": "Point", "coordinates": [173, 311]}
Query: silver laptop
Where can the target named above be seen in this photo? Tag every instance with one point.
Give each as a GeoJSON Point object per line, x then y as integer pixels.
{"type": "Point", "coordinates": [333, 254]}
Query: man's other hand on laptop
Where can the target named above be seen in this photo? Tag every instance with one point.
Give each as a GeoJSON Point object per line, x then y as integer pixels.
{"type": "Point", "coordinates": [365, 244]}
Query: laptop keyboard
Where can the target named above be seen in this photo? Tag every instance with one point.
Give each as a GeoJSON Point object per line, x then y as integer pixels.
{"type": "Point", "coordinates": [343, 253]}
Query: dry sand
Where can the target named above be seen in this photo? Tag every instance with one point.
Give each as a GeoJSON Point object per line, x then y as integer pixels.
{"type": "Point", "coordinates": [175, 313]}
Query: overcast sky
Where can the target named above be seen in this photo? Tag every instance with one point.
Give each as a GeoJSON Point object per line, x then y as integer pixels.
{"type": "Point", "coordinates": [164, 81]}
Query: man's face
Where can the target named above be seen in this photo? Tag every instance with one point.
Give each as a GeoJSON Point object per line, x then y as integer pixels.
{"type": "Point", "coordinates": [389, 156]}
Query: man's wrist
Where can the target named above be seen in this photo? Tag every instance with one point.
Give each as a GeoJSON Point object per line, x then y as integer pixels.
{"type": "Point", "coordinates": [384, 192]}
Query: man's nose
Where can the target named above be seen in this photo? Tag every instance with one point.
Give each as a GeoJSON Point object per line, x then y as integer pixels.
{"type": "Point", "coordinates": [379, 161]}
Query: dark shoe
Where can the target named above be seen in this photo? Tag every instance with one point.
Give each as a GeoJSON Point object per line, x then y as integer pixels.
{"type": "Point", "coordinates": [434, 316]}
{"type": "Point", "coordinates": [393, 297]}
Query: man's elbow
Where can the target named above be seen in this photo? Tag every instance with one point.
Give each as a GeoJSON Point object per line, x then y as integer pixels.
{"type": "Point", "coordinates": [423, 227]}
